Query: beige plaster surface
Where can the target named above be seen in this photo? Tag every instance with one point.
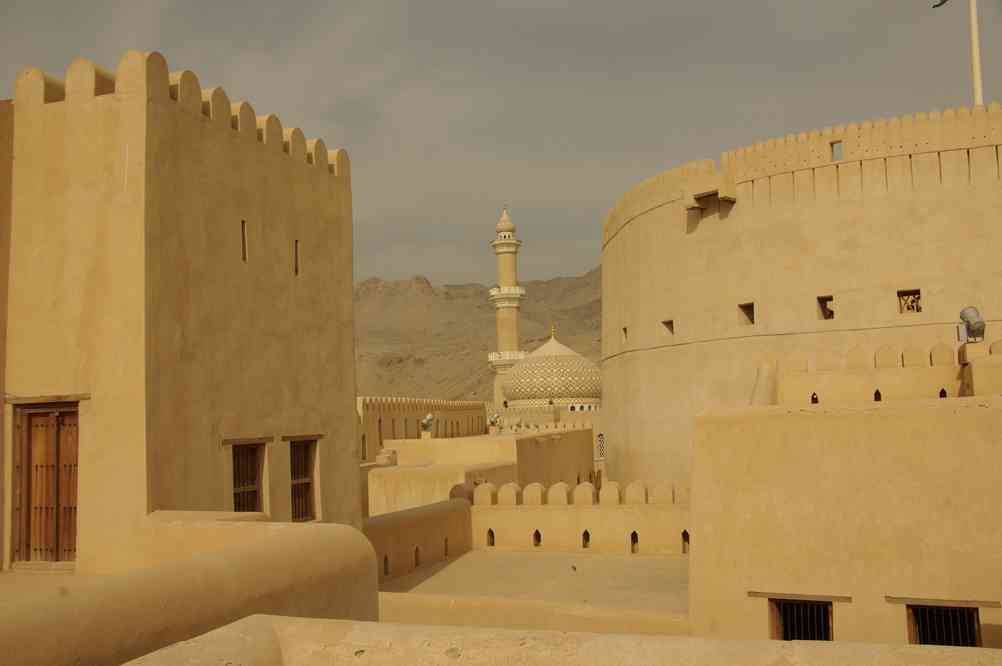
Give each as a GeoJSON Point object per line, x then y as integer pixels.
{"type": "Point", "coordinates": [273, 641]}
{"type": "Point", "coordinates": [637, 582]}
{"type": "Point", "coordinates": [892, 499]}
{"type": "Point", "coordinates": [417, 538]}
{"type": "Point", "coordinates": [6, 187]}
{"type": "Point", "coordinates": [396, 488]}
{"type": "Point", "coordinates": [911, 206]}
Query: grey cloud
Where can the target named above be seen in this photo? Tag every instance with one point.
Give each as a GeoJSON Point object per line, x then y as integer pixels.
{"type": "Point", "coordinates": [451, 109]}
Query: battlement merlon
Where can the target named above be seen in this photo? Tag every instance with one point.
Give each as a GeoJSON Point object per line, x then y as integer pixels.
{"type": "Point", "coordinates": [147, 74]}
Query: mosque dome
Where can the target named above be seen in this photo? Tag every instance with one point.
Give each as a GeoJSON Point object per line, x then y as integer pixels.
{"type": "Point", "coordinates": [553, 372]}
{"type": "Point", "coordinates": [505, 225]}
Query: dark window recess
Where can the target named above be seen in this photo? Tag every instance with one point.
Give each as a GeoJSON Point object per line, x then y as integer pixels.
{"type": "Point", "coordinates": [669, 325]}
{"type": "Point", "coordinates": [626, 334]}
{"type": "Point", "coordinates": [301, 459]}
{"type": "Point", "coordinates": [537, 539]}
{"type": "Point", "coordinates": [247, 477]}
{"type": "Point", "coordinates": [877, 397]}
{"type": "Point", "coordinates": [747, 313]}
{"type": "Point", "coordinates": [490, 538]}
{"type": "Point", "coordinates": [942, 625]}
{"type": "Point", "coordinates": [634, 543]}
{"type": "Point", "coordinates": [585, 539]}
{"type": "Point", "coordinates": [826, 308]}
{"type": "Point", "coordinates": [685, 542]}
{"type": "Point", "coordinates": [243, 240]}
{"type": "Point", "coordinates": [910, 300]}
{"type": "Point", "coordinates": [295, 258]}
{"type": "Point", "coordinates": [814, 398]}
{"type": "Point", "coordinates": [838, 151]}
{"type": "Point", "coordinates": [801, 620]}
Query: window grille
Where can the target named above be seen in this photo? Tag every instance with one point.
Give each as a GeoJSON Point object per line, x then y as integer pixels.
{"type": "Point", "coordinates": [910, 300]}
{"type": "Point", "coordinates": [802, 620]}
{"type": "Point", "coordinates": [301, 459]}
{"type": "Point", "coordinates": [247, 477]}
{"type": "Point", "coordinates": [944, 625]}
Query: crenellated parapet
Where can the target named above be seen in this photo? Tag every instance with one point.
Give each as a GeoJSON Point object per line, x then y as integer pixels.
{"type": "Point", "coordinates": [147, 75]}
{"type": "Point", "coordinates": [378, 403]}
{"type": "Point", "coordinates": [613, 493]}
{"type": "Point", "coordinates": [639, 518]}
{"type": "Point", "coordinates": [845, 162]}
{"type": "Point", "coordinates": [382, 418]}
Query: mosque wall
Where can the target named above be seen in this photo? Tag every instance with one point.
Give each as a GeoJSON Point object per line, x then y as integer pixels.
{"type": "Point", "coordinates": [859, 236]}
{"type": "Point", "coordinates": [635, 519]}
{"type": "Point", "coordinates": [869, 507]}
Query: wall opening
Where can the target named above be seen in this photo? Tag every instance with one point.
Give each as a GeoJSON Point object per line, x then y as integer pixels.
{"type": "Point", "coordinates": [301, 457]}
{"type": "Point", "coordinates": [944, 625]}
{"type": "Point", "coordinates": [417, 557]}
{"type": "Point", "coordinates": [490, 538]}
{"type": "Point", "coordinates": [814, 398]}
{"type": "Point", "coordinates": [585, 539]}
{"type": "Point", "coordinates": [634, 543]}
{"type": "Point", "coordinates": [295, 257]}
{"type": "Point", "coordinates": [386, 565]}
{"type": "Point", "coordinates": [685, 542]}
{"type": "Point", "coordinates": [247, 469]}
{"type": "Point", "coordinates": [626, 334]}
{"type": "Point", "coordinates": [445, 548]}
{"type": "Point", "coordinates": [910, 300]}
{"type": "Point", "coordinates": [746, 313]}
{"type": "Point", "coordinates": [572, 408]}
{"type": "Point", "coordinates": [826, 309]}
{"type": "Point", "coordinates": [800, 620]}
{"type": "Point", "coordinates": [942, 393]}
{"type": "Point", "coordinates": [877, 397]}
{"type": "Point", "coordinates": [537, 539]}
{"type": "Point", "coordinates": [243, 240]}
{"type": "Point", "coordinates": [363, 448]}
{"type": "Point", "coordinates": [669, 326]}
{"type": "Point", "coordinates": [838, 151]}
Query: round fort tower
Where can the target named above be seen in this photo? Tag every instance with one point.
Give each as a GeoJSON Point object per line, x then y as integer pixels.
{"type": "Point", "coordinates": [804, 252]}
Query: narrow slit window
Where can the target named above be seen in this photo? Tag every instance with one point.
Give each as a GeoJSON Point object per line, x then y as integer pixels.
{"type": "Point", "coordinates": [417, 557]}
{"type": "Point", "coordinates": [490, 538]}
{"type": "Point", "coordinates": [801, 620]}
{"type": "Point", "coordinates": [386, 565]}
{"type": "Point", "coordinates": [814, 398]}
{"type": "Point", "coordinates": [747, 313]}
{"type": "Point", "coordinates": [585, 539]}
{"type": "Point", "coordinates": [445, 549]}
{"type": "Point", "coordinates": [247, 477]}
{"type": "Point", "coordinates": [910, 300]}
{"type": "Point", "coordinates": [295, 257]}
{"type": "Point", "coordinates": [838, 151]}
{"type": "Point", "coordinates": [634, 543]}
{"type": "Point", "coordinates": [826, 307]}
{"type": "Point", "coordinates": [301, 461]}
{"type": "Point", "coordinates": [942, 393]}
{"type": "Point", "coordinates": [669, 326]}
{"type": "Point", "coordinates": [685, 542]}
{"type": "Point", "coordinates": [243, 240]}
{"type": "Point", "coordinates": [944, 625]}
{"type": "Point", "coordinates": [877, 396]}
{"type": "Point", "coordinates": [626, 334]}
{"type": "Point", "coordinates": [537, 539]}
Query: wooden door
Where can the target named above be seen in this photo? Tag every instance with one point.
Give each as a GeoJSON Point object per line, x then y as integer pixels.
{"type": "Point", "coordinates": [45, 483]}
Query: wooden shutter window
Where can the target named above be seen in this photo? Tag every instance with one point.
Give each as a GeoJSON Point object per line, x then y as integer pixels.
{"type": "Point", "coordinates": [301, 462]}
{"type": "Point", "coordinates": [247, 477]}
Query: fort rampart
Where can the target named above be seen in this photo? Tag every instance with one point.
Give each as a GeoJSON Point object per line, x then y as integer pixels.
{"type": "Point", "coordinates": [864, 235]}
{"type": "Point", "coordinates": [635, 519]}
{"type": "Point", "coordinates": [383, 418]}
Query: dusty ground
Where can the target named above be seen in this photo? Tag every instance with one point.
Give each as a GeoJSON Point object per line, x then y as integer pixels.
{"type": "Point", "coordinates": [637, 582]}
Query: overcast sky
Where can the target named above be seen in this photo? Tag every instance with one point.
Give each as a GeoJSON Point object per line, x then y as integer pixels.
{"type": "Point", "coordinates": [451, 109]}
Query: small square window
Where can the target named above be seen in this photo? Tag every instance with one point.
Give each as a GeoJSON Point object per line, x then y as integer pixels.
{"type": "Point", "coordinates": [747, 313]}
{"type": "Point", "coordinates": [838, 151]}
{"type": "Point", "coordinates": [669, 326]}
{"type": "Point", "coordinates": [910, 300]}
{"type": "Point", "coordinates": [826, 307]}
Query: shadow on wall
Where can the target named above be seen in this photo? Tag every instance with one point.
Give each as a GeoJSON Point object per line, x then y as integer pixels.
{"type": "Point", "coordinates": [991, 635]}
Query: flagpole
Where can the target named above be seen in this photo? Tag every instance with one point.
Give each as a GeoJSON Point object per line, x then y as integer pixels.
{"type": "Point", "coordinates": [979, 97]}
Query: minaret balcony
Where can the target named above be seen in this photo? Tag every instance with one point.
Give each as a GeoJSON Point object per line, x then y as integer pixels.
{"type": "Point", "coordinates": [505, 359]}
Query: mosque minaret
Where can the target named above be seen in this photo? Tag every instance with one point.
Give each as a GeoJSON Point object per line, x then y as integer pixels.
{"type": "Point", "coordinates": [506, 297]}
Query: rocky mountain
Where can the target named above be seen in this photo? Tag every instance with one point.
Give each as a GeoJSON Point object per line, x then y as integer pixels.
{"type": "Point", "coordinates": [418, 340]}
